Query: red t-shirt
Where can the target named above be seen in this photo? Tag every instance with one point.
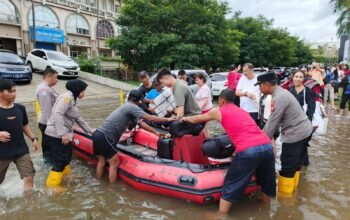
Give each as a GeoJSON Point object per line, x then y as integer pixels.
{"type": "Point", "coordinates": [241, 128]}
{"type": "Point", "coordinates": [232, 80]}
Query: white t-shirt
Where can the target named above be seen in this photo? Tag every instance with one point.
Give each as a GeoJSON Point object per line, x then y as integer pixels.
{"type": "Point", "coordinates": [204, 92]}
{"type": "Point", "coordinates": [247, 85]}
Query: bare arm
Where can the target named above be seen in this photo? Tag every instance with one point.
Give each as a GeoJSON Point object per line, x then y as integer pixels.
{"type": "Point", "coordinates": [213, 114]}
{"type": "Point", "coordinates": [180, 111]}
{"type": "Point", "coordinates": [156, 118]}
{"type": "Point", "coordinates": [28, 132]}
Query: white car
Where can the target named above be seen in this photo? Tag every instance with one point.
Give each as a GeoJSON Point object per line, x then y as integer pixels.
{"type": "Point", "coordinates": [40, 59]}
{"type": "Point", "coordinates": [219, 82]}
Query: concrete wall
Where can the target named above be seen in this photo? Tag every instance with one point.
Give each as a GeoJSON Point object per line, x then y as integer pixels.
{"type": "Point", "coordinates": [106, 81]}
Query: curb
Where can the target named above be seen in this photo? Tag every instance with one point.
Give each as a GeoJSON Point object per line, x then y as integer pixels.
{"type": "Point", "coordinates": [106, 81]}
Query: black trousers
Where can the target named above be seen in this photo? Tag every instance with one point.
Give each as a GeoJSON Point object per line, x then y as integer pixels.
{"type": "Point", "coordinates": [345, 98]}
{"type": "Point", "coordinates": [45, 148]}
{"type": "Point", "coordinates": [292, 157]}
{"type": "Point", "coordinates": [61, 155]}
{"type": "Point", "coordinates": [255, 117]}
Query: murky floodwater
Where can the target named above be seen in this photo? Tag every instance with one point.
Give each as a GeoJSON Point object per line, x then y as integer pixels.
{"type": "Point", "coordinates": [323, 192]}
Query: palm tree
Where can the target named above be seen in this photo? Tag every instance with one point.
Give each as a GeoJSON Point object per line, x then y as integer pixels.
{"type": "Point", "coordinates": [343, 8]}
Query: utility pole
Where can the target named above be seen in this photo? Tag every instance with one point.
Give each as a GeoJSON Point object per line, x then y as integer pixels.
{"type": "Point", "coordinates": [33, 34]}
{"type": "Point", "coordinates": [98, 41]}
{"type": "Point", "coordinates": [98, 19]}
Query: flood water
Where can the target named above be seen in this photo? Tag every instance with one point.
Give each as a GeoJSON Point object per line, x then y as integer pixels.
{"type": "Point", "coordinates": [323, 192]}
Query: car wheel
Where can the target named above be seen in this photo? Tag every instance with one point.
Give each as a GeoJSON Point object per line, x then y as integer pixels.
{"type": "Point", "coordinates": [48, 68]}
{"type": "Point", "coordinates": [30, 66]}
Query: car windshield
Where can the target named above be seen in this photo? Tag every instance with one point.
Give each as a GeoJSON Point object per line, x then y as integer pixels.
{"type": "Point", "coordinates": [10, 58]}
{"type": "Point", "coordinates": [218, 77]}
{"type": "Point", "coordinates": [57, 56]}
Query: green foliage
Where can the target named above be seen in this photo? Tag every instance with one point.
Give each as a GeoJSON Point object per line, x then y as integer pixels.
{"type": "Point", "coordinates": [86, 64]}
{"type": "Point", "coordinates": [262, 44]}
{"type": "Point", "coordinates": [175, 33]}
{"type": "Point", "coordinates": [195, 33]}
{"type": "Point", "coordinates": [342, 7]}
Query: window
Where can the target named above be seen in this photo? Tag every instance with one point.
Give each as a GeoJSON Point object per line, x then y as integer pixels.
{"type": "Point", "coordinates": [8, 12]}
{"type": "Point", "coordinates": [104, 29]}
{"type": "Point", "coordinates": [77, 24]}
{"type": "Point", "coordinates": [44, 17]}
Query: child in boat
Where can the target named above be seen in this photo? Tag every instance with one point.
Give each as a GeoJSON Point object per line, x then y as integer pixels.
{"type": "Point", "coordinates": [107, 136]}
{"type": "Point", "coordinates": [154, 93]}
{"type": "Point", "coordinates": [254, 152]}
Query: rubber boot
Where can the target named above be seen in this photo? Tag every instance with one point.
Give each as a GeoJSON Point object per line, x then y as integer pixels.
{"type": "Point", "coordinates": [54, 179]}
{"type": "Point", "coordinates": [296, 179]}
{"type": "Point", "coordinates": [67, 170]}
{"type": "Point", "coordinates": [285, 185]}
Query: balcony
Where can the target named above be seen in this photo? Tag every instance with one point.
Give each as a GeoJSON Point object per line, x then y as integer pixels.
{"type": "Point", "coordinates": [85, 7]}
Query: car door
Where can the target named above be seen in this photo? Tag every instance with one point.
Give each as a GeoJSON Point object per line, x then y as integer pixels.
{"type": "Point", "coordinates": [42, 60]}
{"type": "Point", "coordinates": [33, 58]}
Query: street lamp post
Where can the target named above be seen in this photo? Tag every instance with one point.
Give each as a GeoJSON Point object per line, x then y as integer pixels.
{"type": "Point", "coordinates": [33, 34]}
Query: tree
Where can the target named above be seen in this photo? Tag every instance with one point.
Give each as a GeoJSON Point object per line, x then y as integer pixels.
{"type": "Point", "coordinates": [343, 22]}
{"type": "Point", "coordinates": [262, 44]}
{"type": "Point", "coordinates": [176, 34]}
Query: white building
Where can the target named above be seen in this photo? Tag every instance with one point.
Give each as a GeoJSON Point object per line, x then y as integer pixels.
{"type": "Point", "coordinates": [71, 26]}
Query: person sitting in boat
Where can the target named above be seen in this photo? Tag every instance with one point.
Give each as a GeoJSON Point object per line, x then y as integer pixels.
{"type": "Point", "coordinates": [154, 93]}
{"type": "Point", "coordinates": [185, 102]}
{"type": "Point", "coordinates": [107, 136]}
{"type": "Point", "coordinates": [254, 152]}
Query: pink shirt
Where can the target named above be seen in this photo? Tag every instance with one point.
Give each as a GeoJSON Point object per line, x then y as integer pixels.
{"type": "Point", "coordinates": [204, 92]}
{"type": "Point", "coordinates": [232, 80]}
{"type": "Point", "coordinates": [241, 128]}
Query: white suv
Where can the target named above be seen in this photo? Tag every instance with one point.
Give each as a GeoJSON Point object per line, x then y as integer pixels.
{"type": "Point", "coordinates": [39, 59]}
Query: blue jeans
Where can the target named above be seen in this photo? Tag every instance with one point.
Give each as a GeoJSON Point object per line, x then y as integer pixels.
{"type": "Point", "coordinates": [259, 160]}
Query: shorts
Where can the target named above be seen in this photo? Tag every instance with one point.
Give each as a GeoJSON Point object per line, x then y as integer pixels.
{"type": "Point", "coordinates": [24, 166]}
{"type": "Point", "coordinates": [103, 146]}
{"type": "Point", "coordinates": [259, 160]}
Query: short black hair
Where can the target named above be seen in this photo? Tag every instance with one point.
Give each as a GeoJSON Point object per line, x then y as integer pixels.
{"type": "Point", "coordinates": [232, 66]}
{"type": "Point", "coordinates": [6, 84]}
{"type": "Point", "coordinates": [49, 72]}
{"type": "Point", "coordinates": [249, 65]}
{"type": "Point", "coordinates": [163, 72]}
{"type": "Point", "coordinates": [228, 95]}
{"type": "Point", "coordinates": [181, 73]}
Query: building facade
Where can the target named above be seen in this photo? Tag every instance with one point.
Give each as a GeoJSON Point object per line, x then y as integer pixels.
{"type": "Point", "coordinates": [74, 27]}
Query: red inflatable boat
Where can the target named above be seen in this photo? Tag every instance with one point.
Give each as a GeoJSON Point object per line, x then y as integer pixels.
{"type": "Point", "coordinates": [190, 175]}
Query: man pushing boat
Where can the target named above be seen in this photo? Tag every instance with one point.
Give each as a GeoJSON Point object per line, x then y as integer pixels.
{"type": "Point", "coordinates": [107, 136]}
{"type": "Point", "coordinates": [254, 152]}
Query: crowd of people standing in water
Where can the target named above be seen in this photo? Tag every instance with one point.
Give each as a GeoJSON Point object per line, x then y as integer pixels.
{"type": "Point", "coordinates": [254, 111]}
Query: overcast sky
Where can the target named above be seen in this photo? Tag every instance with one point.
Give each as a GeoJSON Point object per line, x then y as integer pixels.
{"type": "Point", "coordinates": [312, 20]}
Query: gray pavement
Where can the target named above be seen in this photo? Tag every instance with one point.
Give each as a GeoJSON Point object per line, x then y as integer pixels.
{"type": "Point", "coordinates": [95, 93]}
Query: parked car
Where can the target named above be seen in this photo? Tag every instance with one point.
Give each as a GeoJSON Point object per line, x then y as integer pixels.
{"type": "Point", "coordinates": [219, 82]}
{"type": "Point", "coordinates": [13, 67]}
{"type": "Point", "coordinates": [40, 59]}
{"type": "Point", "coordinates": [191, 74]}
{"type": "Point", "coordinates": [259, 71]}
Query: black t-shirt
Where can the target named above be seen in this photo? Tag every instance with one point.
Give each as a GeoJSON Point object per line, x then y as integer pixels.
{"type": "Point", "coordinates": [12, 120]}
{"type": "Point", "coordinates": [144, 90]}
